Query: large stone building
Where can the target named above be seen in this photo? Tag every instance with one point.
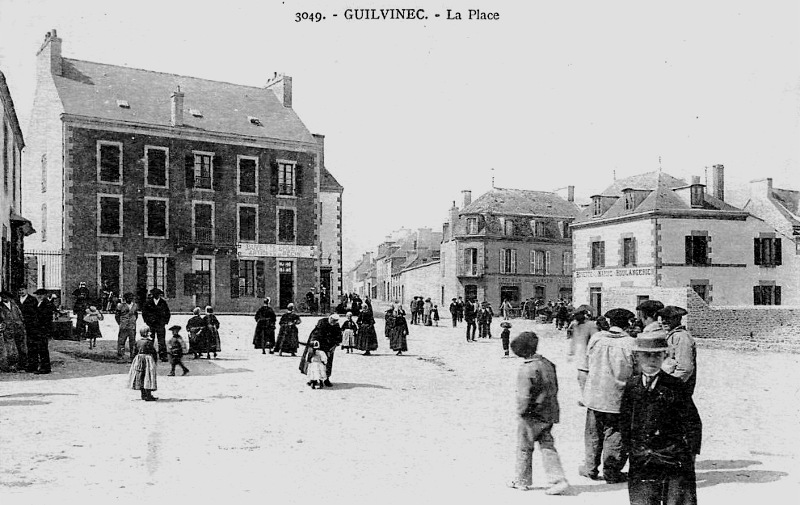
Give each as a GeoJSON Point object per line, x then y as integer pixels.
{"type": "Point", "coordinates": [653, 234]}
{"type": "Point", "coordinates": [208, 190]}
{"type": "Point", "coordinates": [509, 244]}
{"type": "Point", "coordinates": [14, 226]}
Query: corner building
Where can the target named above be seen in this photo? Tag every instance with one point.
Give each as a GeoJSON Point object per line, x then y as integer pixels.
{"type": "Point", "coordinates": [207, 190]}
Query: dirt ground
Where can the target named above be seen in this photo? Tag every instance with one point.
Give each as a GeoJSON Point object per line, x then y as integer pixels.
{"type": "Point", "coordinates": [435, 424]}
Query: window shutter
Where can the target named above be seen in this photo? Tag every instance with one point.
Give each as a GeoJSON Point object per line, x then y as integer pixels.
{"type": "Point", "coordinates": [689, 257]}
{"type": "Point", "coordinates": [757, 251]}
{"type": "Point", "coordinates": [602, 254]}
{"type": "Point", "coordinates": [217, 171]}
{"type": "Point", "coordinates": [502, 261]}
{"type": "Point", "coordinates": [141, 280]}
{"type": "Point", "coordinates": [234, 278]}
{"type": "Point", "coordinates": [171, 278]}
{"type": "Point", "coordinates": [633, 251]}
{"type": "Point", "coordinates": [778, 252]}
{"type": "Point", "coordinates": [756, 295]}
{"type": "Point", "coordinates": [298, 179]}
{"type": "Point", "coordinates": [547, 262]}
{"type": "Point", "coordinates": [777, 294]}
{"type": "Point", "coordinates": [261, 280]}
{"type": "Point", "coordinates": [273, 178]}
{"type": "Point", "coordinates": [188, 284]}
{"type": "Point", "coordinates": [188, 164]}
{"type": "Point", "coordinates": [513, 261]}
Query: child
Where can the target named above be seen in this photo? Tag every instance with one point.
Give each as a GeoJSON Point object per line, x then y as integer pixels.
{"type": "Point", "coordinates": [505, 335]}
{"type": "Point", "coordinates": [92, 320]}
{"type": "Point", "coordinates": [349, 329]}
{"type": "Point", "coordinates": [175, 349]}
{"type": "Point", "coordinates": [142, 375]}
{"type": "Point", "coordinates": [317, 366]}
{"type": "Point", "coordinates": [435, 315]}
{"type": "Point", "coordinates": [212, 327]}
{"type": "Point", "coordinates": [537, 411]}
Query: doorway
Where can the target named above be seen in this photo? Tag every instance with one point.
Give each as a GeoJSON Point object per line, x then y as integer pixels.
{"type": "Point", "coordinates": [202, 293]}
{"type": "Point", "coordinates": [596, 301]}
{"type": "Point", "coordinates": [285, 283]}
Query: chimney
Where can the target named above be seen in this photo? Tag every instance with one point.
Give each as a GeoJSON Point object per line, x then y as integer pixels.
{"type": "Point", "coordinates": [718, 181]}
{"type": "Point", "coordinates": [321, 141]}
{"type": "Point", "coordinates": [49, 55]}
{"type": "Point", "coordinates": [570, 193]}
{"type": "Point", "coordinates": [176, 116]}
{"type": "Point", "coordinates": [695, 180]}
{"type": "Point", "coordinates": [696, 192]}
{"type": "Point", "coordinates": [281, 85]}
{"type": "Point", "coordinates": [467, 197]}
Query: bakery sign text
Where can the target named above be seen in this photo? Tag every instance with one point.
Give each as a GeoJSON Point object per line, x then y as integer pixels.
{"type": "Point", "coordinates": [614, 272]}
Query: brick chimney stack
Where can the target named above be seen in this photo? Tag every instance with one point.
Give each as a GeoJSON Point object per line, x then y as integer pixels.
{"type": "Point", "coordinates": [49, 55]}
{"type": "Point", "coordinates": [570, 193]}
{"type": "Point", "coordinates": [321, 141]}
{"type": "Point", "coordinates": [467, 197]}
{"type": "Point", "coordinates": [176, 116]}
{"type": "Point", "coordinates": [718, 181]}
{"type": "Point", "coordinates": [281, 85]}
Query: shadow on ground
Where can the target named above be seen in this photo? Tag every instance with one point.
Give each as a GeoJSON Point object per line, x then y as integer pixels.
{"type": "Point", "coordinates": [353, 385]}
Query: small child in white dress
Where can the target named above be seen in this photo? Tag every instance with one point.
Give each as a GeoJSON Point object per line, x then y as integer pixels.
{"type": "Point", "coordinates": [317, 363]}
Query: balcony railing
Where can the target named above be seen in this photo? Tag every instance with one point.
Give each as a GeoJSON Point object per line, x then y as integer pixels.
{"type": "Point", "coordinates": [471, 270]}
{"type": "Point", "coordinates": [206, 238]}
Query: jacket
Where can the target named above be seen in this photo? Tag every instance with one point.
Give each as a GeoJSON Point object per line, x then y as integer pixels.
{"type": "Point", "coordinates": [43, 323]}
{"type": "Point", "coordinates": [537, 390]}
{"type": "Point", "coordinates": [610, 358]}
{"type": "Point", "coordinates": [681, 359]}
{"type": "Point", "coordinates": [156, 315]}
{"type": "Point", "coordinates": [13, 319]}
{"type": "Point", "coordinates": [126, 315]}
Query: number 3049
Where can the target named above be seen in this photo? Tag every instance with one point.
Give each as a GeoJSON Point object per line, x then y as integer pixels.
{"type": "Point", "coordinates": [315, 17]}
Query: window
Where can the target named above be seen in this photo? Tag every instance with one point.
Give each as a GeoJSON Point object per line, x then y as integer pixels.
{"type": "Point", "coordinates": [471, 261]}
{"type": "Point", "coordinates": [598, 254]}
{"type": "Point", "coordinates": [507, 225]}
{"type": "Point", "coordinates": [629, 252]}
{"type": "Point", "coordinates": [508, 261]}
{"type": "Point", "coordinates": [248, 175]}
{"type": "Point", "coordinates": [110, 215]}
{"type": "Point", "coordinates": [156, 166]}
{"type": "Point", "coordinates": [43, 229]}
{"type": "Point", "coordinates": [767, 252]}
{"type": "Point", "coordinates": [472, 225]}
{"type": "Point", "coordinates": [204, 222]}
{"type": "Point", "coordinates": [766, 295]}
{"type": "Point", "coordinates": [597, 206]}
{"type": "Point", "coordinates": [109, 162]}
{"type": "Point", "coordinates": [286, 225]}
{"type": "Point", "coordinates": [44, 173]}
{"type": "Point", "coordinates": [696, 250]}
{"type": "Point", "coordinates": [285, 179]}
{"type": "Point", "coordinates": [701, 290]}
{"type": "Point", "coordinates": [538, 227]}
{"type": "Point", "coordinates": [157, 273]}
{"type": "Point", "coordinates": [564, 229]}
{"type": "Point", "coordinates": [247, 278]}
{"type": "Point", "coordinates": [247, 223]}
{"type": "Point", "coordinates": [566, 263]}
{"type": "Point", "coordinates": [630, 201]}
{"type": "Point", "coordinates": [203, 170]}
{"type": "Point", "coordinates": [540, 262]}
{"type": "Point", "coordinates": [696, 195]}
{"type": "Point", "coordinates": [156, 217]}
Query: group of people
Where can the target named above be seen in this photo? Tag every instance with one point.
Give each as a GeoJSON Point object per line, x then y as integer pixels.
{"type": "Point", "coordinates": [424, 311]}
{"type": "Point", "coordinates": [636, 378]}
{"type": "Point", "coordinates": [26, 323]}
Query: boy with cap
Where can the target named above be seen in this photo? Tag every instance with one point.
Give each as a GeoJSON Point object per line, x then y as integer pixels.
{"type": "Point", "coordinates": [661, 429]}
{"type": "Point", "coordinates": [610, 360]}
{"type": "Point", "coordinates": [505, 335]}
{"type": "Point", "coordinates": [681, 360]}
{"type": "Point", "coordinates": [537, 411]}
{"type": "Point", "coordinates": [175, 348]}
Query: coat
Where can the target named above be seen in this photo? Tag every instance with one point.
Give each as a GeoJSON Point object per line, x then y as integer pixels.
{"type": "Point", "coordinates": [329, 337]}
{"type": "Point", "coordinates": [156, 315]}
{"type": "Point", "coordinates": [398, 334]}
{"type": "Point", "coordinates": [469, 311]}
{"type": "Point", "coordinates": [537, 390]}
{"type": "Point", "coordinates": [43, 321]}
{"type": "Point", "coordinates": [212, 333]}
{"type": "Point", "coordinates": [198, 337]}
{"type": "Point", "coordinates": [288, 335]}
{"type": "Point", "coordinates": [366, 338]}
{"type": "Point", "coordinates": [28, 308]}
{"type": "Point", "coordinates": [264, 335]}
{"type": "Point", "coordinates": [13, 320]}
{"type": "Point", "coordinates": [681, 359]}
{"type": "Point", "coordinates": [610, 359]}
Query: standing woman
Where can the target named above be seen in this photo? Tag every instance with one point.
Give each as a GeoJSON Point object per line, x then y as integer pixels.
{"type": "Point", "coordinates": [264, 337]}
{"type": "Point", "coordinates": [399, 331]}
{"type": "Point", "coordinates": [349, 329]}
{"type": "Point", "coordinates": [212, 333]}
{"type": "Point", "coordinates": [142, 375]}
{"type": "Point", "coordinates": [366, 338]}
{"type": "Point", "coordinates": [287, 335]}
{"type": "Point", "coordinates": [427, 307]}
{"type": "Point", "coordinates": [195, 327]}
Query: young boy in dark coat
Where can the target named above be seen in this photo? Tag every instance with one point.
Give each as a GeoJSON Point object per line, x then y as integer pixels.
{"type": "Point", "coordinates": [175, 349]}
{"type": "Point", "coordinates": [505, 335]}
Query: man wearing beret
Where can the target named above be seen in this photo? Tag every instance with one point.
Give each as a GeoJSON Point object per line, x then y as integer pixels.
{"type": "Point", "coordinates": [681, 361]}
{"type": "Point", "coordinates": [156, 315]}
{"type": "Point", "coordinates": [661, 429]}
{"type": "Point", "coordinates": [649, 312]}
{"type": "Point", "coordinates": [610, 359]}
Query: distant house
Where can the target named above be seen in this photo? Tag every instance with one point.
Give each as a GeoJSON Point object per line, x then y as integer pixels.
{"type": "Point", "coordinates": [214, 192]}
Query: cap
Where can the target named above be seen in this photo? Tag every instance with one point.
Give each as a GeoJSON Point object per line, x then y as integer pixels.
{"type": "Point", "coordinates": [672, 311]}
{"type": "Point", "coordinates": [505, 324]}
{"type": "Point", "coordinates": [650, 306]}
{"type": "Point", "coordinates": [156, 291]}
{"type": "Point", "coordinates": [583, 308]}
{"type": "Point", "coordinates": [174, 327]}
{"type": "Point", "coordinates": [525, 344]}
{"type": "Point", "coordinates": [618, 315]}
{"type": "Point", "coordinates": [651, 341]}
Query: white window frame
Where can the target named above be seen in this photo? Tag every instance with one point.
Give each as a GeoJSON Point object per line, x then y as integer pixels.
{"type": "Point", "coordinates": [294, 178]}
{"type": "Point", "coordinates": [547, 262]}
{"type": "Point", "coordinates": [504, 254]}
{"type": "Point", "coordinates": [255, 261]}
{"type": "Point", "coordinates": [211, 170]}
{"type": "Point", "coordinates": [471, 268]}
{"type": "Point", "coordinates": [566, 266]}
{"type": "Point", "coordinates": [147, 216]}
{"type": "Point", "coordinates": [278, 225]}
{"type": "Point", "coordinates": [100, 196]}
{"type": "Point", "coordinates": [147, 280]}
{"type": "Point", "coordinates": [147, 166]}
{"type": "Point", "coordinates": [196, 258]}
{"type": "Point", "coordinates": [240, 206]}
{"type": "Point", "coordinates": [100, 255]}
{"type": "Point", "coordinates": [101, 143]}
{"type": "Point", "coordinates": [472, 226]}
{"type": "Point", "coordinates": [213, 218]}
{"type": "Point", "coordinates": [239, 159]}
{"type": "Point", "coordinates": [508, 226]}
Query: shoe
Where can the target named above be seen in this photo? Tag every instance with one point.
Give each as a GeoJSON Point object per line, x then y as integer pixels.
{"type": "Point", "coordinates": [589, 475]}
{"type": "Point", "coordinates": [560, 487]}
{"type": "Point", "coordinates": [150, 399]}
{"type": "Point", "coordinates": [171, 375]}
{"type": "Point", "coordinates": [328, 383]}
{"type": "Point", "coordinates": [272, 352]}
{"type": "Point", "coordinates": [522, 487]}
{"type": "Point", "coordinates": [616, 478]}
{"type": "Point", "coordinates": [185, 371]}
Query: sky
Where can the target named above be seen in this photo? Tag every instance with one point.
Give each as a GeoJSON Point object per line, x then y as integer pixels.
{"type": "Point", "coordinates": [550, 94]}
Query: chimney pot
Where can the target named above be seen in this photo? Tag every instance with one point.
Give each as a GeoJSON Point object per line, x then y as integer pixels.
{"type": "Point", "coordinates": [695, 179]}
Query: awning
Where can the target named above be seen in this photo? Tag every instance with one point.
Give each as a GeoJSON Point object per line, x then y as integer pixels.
{"type": "Point", "coordinates": [17, 220]}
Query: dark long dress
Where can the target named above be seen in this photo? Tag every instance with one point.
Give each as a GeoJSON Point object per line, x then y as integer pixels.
{"type": "Point", "coordinates": [212, 331]}
{"type": "Point", "coordinates": [398, 333]}
{"type": "Point", "coordinates": [366, 338]}
{"type": "Point", "coordinates": [198, 341]}
{"type": "Point", "coordinates": [287, 335]}
{"type": "Point", "coordinates": [264, 336]}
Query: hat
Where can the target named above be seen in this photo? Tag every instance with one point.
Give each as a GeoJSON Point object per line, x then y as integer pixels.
{"type": "Point", "coordinates": [92, 308]}
{"type": "Point", "coordinates": [40, 291]}
{"type": "Point", "coordinates": [6, 294]}
{"type": "Point", "coordinates": [584, 308]}
{"type": "Point", "coordinates": [618, 315]}
{"type": "Point", "coordinates": [650, 306]}
{"type": "Point", "coordinates": [651, 341]}
{"type": "Point", "coordinates": [672, 311]}
{"type": "Point", "coordinates": [175, 327]}
{"type": "Point", "coordinates": [145, 332]}
{"type": "Point", "coordinates": [290, 306]}
{"type": "Point", "coordinates": [505, 324]}
{"type": "Point", "coordinates": [525, 344]}
{"type": "Point", "coordinates": [156, 292]}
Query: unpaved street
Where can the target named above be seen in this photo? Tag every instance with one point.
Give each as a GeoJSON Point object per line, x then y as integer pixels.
{"type": "Point", "coordinates": [436, 424]}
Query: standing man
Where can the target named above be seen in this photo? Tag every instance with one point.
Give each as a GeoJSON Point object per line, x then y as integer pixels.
{"type": "Point", "coordinates": [264, 337]}
{"type": "Point", "coordinates": [329, 335]}
{"type": "Point", "coordinates": [681, 360]}
{"type": "Point", "coordinates": [582, 328]}
{"type": "Point", "coordinates": [38, 338]}
{"type": "Point", "coordinates": [126, 314]}
{"type": "Point", "coordinates": [454, 311]}
{"type": "Point", "coordinates": [661, 429]}
{"type": "Point", "coordinates": [12, 333]}
{"type": "Point", "coordinates": [156, 315]}
{"type": "Point", "coordinates": [485, 315]}
{"type": "Point", "coordinates": [79, 309]}
{"type": "Point", "coordinates": [649, 312]}
{"type": "Point", "coordinates": [27, 304]}
{"type": "Point", "coordinates": [460, 309]}
{"type": "Point", "coordinates": [610, 358]}
{"type": "Point", "coordinates": [469, 316]}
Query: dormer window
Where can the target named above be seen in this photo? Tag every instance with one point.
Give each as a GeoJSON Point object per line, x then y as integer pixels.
{"type": "Point", "coordinates": [597, 205]}
{"type": "Point", "coordinates": [507, 225]}
{"type": "Point", "coordinates": [696, 195]}
{"type": "Point", "coordinates": [123, 104]}
{"type": "Point", "coordinates": [630, 200]}
{"type": "Point", "coordinates": [195, 112]}
{"type": "Point", "coordinates": [472, 226]}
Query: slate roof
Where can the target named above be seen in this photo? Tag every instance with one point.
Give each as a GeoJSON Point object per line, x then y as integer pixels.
{"type": "Point", "coordinates": [328, 182]}
{"type": "Point", "coordinates": [92, 89]}
{"type": "Point", "coordinates": [790, 201]}
{"type": "Point", "coordinates": [647, 180]}
{"type": "Point", "coordinates": [521, 202]}
{"type": "Point", "coordinates": [10, 111]}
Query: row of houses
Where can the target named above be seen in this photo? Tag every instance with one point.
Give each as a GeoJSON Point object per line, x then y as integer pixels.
{"type": "Point", "coordinates": [215, 193]}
